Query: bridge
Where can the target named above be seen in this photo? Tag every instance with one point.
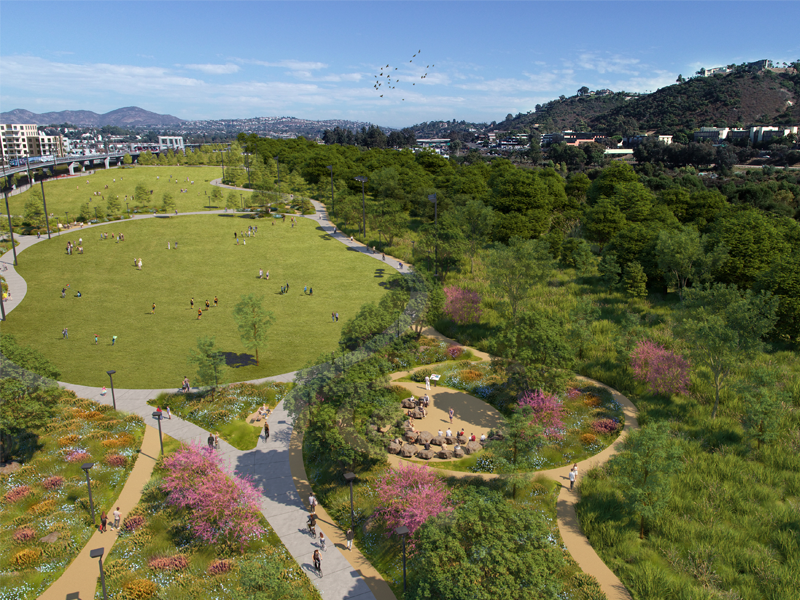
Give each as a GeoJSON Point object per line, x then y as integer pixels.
{"type": "Point", "coordinates": [113, 158]}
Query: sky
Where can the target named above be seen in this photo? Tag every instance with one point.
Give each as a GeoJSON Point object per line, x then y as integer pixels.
{"type": "Point", "coordinates": [476, 61]}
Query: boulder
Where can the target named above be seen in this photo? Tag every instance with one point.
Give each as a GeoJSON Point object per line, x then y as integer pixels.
{"type": "Point", "coordinates": [449, 440]}
{"type": "Point", "coordinates": [425, 437]}
{"type": "Point", "coordinates": [8, 468]}
{"type": "Point", "coordinates": [394, 448]}
{"type": "Point", "coordinates": [406, 425]}
{"type": "Point", "coordinates": [50, 538]}
{"type": "Point", "coordinates": [438, 441]}
{"type": "Point", "coordinates": [458, 453]}
{"type": "Point", "coordinates": [426, 454]}
{"type": "Point", "coordinates": [497, 436]}
{"type": "Point", "coordinates": [462, 439]}
{"type": "Point", "coordinates": [444, 454]}
{"type": "Point", "coordinates": [417, 414]}
{"type": "Point", "coordinates": [472, 447]}
{"type": "Point", "coordinates": [408, 451]}
{"type": "Point", "coordinates": [408, 403]}
{"type": "Point", "coordinates": [411, 436]}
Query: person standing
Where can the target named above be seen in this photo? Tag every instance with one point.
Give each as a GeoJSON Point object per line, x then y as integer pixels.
{"type": "Point", "coordinates": [65, 333]}
{"type": "Point", "coordinates": [261, 273]}
{"type": "Point", "coordinates": [169, 413]}
{"type": "Point", "coordinates": [427, 382]}
{"type": "Point", "coordinates": [63, 292]}
{"type": "Point", "coordinates": [210, 441]}
{"type": "Point", "coordinates": [337, 316]}
{"type": "Point", "coordinates": [199, 313]}
{"type": "Point", "coordinates": [452, 414]}
{"type": "Point", "coordinates": [152, 312]}
{"type": "Point", "coordinates": [266, 431]}
{"type": "Point", "coordinates": [349, 536]}
{"type": "Point", "coordinates": [322, 541]}
{"type": "Point", "coordinates": [312, 502]}
{"type": "Point", "coordinates": [573, 475]}
{"type": "Point", "coordinates": [95, 339]}
{"type": "Point", "coordinates": [208, 305]}
{"type": "Point", "coordinates": [215, 301]}
{"type": "Point", "coordinates": [117, 517]}
{"type": "Point", "coordinates": [191, 303]}
{"type": "Point", "coordinates": [168, 246]}
{"type": "Point", "coordinates": [333, 317]}
{"type": "Point", "coordinates": [113, 340]}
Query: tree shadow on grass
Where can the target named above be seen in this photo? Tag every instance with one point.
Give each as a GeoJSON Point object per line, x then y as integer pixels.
{"type": "Point", "coordinates": [235, 361]}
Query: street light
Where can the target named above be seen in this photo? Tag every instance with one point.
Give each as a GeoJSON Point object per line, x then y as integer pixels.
{"type": "Point", "coordinates": [157, 415]}
{"type": "Point", "coordinates": [333, 203]}
{"type": "Point", "coordinates": [74, 596]}
{"type": "Point", "coordinates": [129, 208]}
{"type": "Point", "coordinates": [432, 198]}
{"type": "Point", "coordinates": [349, 477]}
{"type": "Point", "coordinates": [86, 467]}
{"type": "Point", "coordinates": [11, 230]}
{"type": "Point", "coordinates": [98, 553]}
{"type": "Point", "coordinates": [113, 399]}
{"type": "Point", "coordinates": [44, 202]}
{"type": "Point", "coordinates": [363, 180]}
{"type": "Point", "coordinates": [402, 531]}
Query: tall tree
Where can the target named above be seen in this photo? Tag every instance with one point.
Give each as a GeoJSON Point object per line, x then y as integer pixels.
{"type": "Point", "coordinates": [679, 252]}
{"type": "Point", "coordinates": [34, 209]}
{"type": "Point", "coordinates": [515, 269]}
{"type": "Point", "coordinates": [167, 202]}
{"type": "Point", "coordinates": [475, 220]}
{"type": "Point", "coordinates": [253, 321]}
{"type": "Point", "coordinates": [210, 362]}
{"type": "Point", "coordinates": [141, 195]}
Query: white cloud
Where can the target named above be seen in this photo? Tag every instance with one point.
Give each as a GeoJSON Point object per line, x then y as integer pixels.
{"type": "Point", "coordinates": [615, 63]}
{"type": "Point", "coordinates": [212, 69]}
{"type": "Point", "coordinates": [292, 65]}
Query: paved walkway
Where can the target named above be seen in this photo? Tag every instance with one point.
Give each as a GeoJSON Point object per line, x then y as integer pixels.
{"type": "Point", "coordinates": [82, 574]}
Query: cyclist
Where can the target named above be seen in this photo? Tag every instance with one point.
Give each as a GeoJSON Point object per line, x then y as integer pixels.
{"type": "Point", "coordinates": [317, 562]}
{"type": "Point", "coordinates": [312, 522]}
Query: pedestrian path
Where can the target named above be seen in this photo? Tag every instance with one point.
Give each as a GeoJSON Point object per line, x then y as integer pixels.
{"type": "Point", "coordinates": [81, 575]}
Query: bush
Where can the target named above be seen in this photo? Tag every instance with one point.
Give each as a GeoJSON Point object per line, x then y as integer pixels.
{"type": "Point", "coordinates": [43, 508]}
{"type": "Point", "coordinates": [663, 371]}
{"type": "Point", "coordinates": [78, 456]}
{"type": "Point", "coordinates": [218, 567]}
{"type": "Point", "coordinates": [53, 483]}
{"type": "Point", "coordinates": [547, 412]}
{"type": "Point", "coordinates": [419, 376]}
{"type": "Point", "coordinates": [24, 534]}
{"type": "Point", "coordinates": [178, 562]}
{"type": "Point", "coordinates": [462, 306]}
{"type": "Point", "coordinates": [116, 460]}
{"type": "Point", "coordinates": [133, 523]}
{"type": "Point", "coordinates": [455, 351]}
{"type": "Point", "coordinates": [26, 558]}
{"type": "Point", "coordinates": [587, 439]}
{"type": "Point", "coordinates": [16, 494]}
{"type": "Point", "coordinates": [139, 589]}
{"type": "Point", "coordinates": [605, 426]}
{"type": "Point", "coordinates": [69, 440]}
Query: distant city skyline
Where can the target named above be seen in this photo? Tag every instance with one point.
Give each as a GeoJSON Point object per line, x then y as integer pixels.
{"type": "Point", "coordinates": [318, 60]}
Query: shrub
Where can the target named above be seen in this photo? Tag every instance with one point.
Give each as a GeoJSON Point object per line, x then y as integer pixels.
{"type": "Point", "coordinates": [419, 376]}
{"type": "Point", "coordinates": [177, 562]}
{"type": "Point", "coordinates": [77, 456]}
{"type": "Point", "coordinates": [592, 401]}
{"type": "Point", "coordinates": [605, 426]}
{"type": "Point", "coordinates": [410, 495]}
{"type": "Point", "coordinates": [455, 351]}
{"type": "Point", "coordinates": [112, 443]}
{"type": "Point", "coordinates": [470, 375]}
{"type": "Point", "coordinates": [133, 523]}
{"type": "Point", "coordinates": [663, 371]}
{"type": "Point", "coordinates": [139, 589]}
{"type": "Point", "coordinates": [42, 507]}
{"type": "Point", "coordinates": [116, 460]}
{"type": "Point", "coordinates": [16, 494]}
{"type": "Point", "coordinates": [588, 439]}
{"type": "Point", "coordinates": [547, 412]}
{"type": "Point", "coordinates": [26, 558]}
{"type": "Point", "coordinates": [462, 306]}
{"type": "Point", "coordinates": [24, 534]}
{"type": "Point", "coordinates": [218, 567]}
{"type": "Point", "coordinates": [68, 440]}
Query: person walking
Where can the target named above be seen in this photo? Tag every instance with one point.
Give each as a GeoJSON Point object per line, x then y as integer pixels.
{"type": "Point", "coordinates": [140, 264]}
{"type": "Point", "coordinates": [210, 441]}
{"type": "Point", "coordinates": [452, 414]}
{"type": "Point", "coordinates": [153, 311]}
{"type": "Point", "coordinates": [65, 333]}
{"type": "Point", "coordinates": [261, 273]}
{"type": "Point", "coordinates": [349, 536]}
{"type": "Point", "coordinates": [215, 301]}
{"type": "Point", "coordinates": [117, 517]}
{"type": "Point", "coordinates": [266, 431]}
{"type": "Point", "coordinates": [573, 475]}
{"type": "Point", "coordinates": [103, 521]}
{"type": "Point", "coordinates": [95, 339]}
{"type": "Point", "coordinates": [317, 562]}
{"type": "Point", "coordinates": [322, 541]}
{"type": "Point", "coordinates": [427, 382]}
{"type": "Point", "coordinates": [199, 313]}
{"type": "Point", "coordinates": [113, 340]}
{"type": "Point", "coordinates": [312, 502]}
{"type": "Point", "coordinates": [191, 303]}
{"type": "Point", "coordinates": [169, 413]}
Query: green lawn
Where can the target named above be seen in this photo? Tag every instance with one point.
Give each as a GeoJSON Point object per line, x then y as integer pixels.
{"type": "Point", "coordinates": [69, 194]}
{"type": "Point", "coordinates": [152, 350]}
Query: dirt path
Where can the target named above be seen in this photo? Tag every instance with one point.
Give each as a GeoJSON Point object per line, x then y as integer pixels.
{"type": "Point", "coordinates": [81, 576]}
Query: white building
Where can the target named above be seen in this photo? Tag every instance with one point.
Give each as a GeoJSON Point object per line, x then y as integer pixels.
{"type": "Point", "coordinates": [171, 142]}
{"type": "Point", "coordinates": [23, 140]}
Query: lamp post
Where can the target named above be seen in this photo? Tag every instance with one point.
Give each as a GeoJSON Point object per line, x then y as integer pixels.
{"type": "Point", "coordinates": [66, 221]}
{"type": "Point", "coordinates": [86, 467]}
{"type": "Point", "coordinates": [333, 203]}
{"type": "Point", "coordinates": [98, 553]}
{"type": "Point", "coordinates": [11, 230]}
{"type": "Point", "coordinates": [402, 531]}
{"type": "Point", "coordinates": [157, 415]}
{"type": "Point", "coordinates": [349, 477]}
{"type": "Point", "coordinates": [95, 214]}
{"type": "Point", "coordinates": [278, 162]}
{"type": "Point", "coordinates": [363, 180]}
{"type": "Point", "coordinates": [129, 208]}
{"type": "Point", "coordinates": [432, 198]}
{"type": "Point", "coordinates": [44, 202]}
{"type": "Point", "coordinates": [113, 399]}
{"type": "Point", "coordinates": [222, 159]}
{"type": "Point", "coordinates": [241, 200]}
{"type": "Point", "coordinates": [74, 596]}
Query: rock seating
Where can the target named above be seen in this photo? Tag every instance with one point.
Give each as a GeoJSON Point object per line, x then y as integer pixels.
{"type": "Point", "coordinates": [462, 439]}
{"type": "Point", "coordinates": [438, 441]}
{"type": "Point", "coordinates": [411, 436]}
{"type": "Point", "coordinates": [458, 453]}
{"type": "Point", "coordinates": [497, 436]}
{"type": "Point", "coordinates": [449, 440]}
{"type": "Point", "coordinates": [472, 447]}
{"type": "Point", "coordinates": [426, 454]}
{"type": "Point", "coordinates": [408, 450]}
{"type": "Point", "coordinates": [445, 454]}
{"type": "Point", "coordinates": [408, 403]}
{"type": "Point", "coordinates": [394, 448]}
{"type": "Point", "coordinates": [424, 437]}
{"type": "Point", "coordinates": [406, 425]}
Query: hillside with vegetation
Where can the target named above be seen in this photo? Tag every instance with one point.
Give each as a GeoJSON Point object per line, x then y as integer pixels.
{"type": "Point", "coordinates": [562, 114]}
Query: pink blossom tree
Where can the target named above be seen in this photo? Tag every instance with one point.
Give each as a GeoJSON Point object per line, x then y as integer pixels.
{"type": "Point", "coordinates": [220, 507]}
{"type": "Point", "coordinates": [546, 412]}
{"type": "Point", "coordinates": [410, 495]}
{"type": "Point", "coordinates": [663, 371]}
{"type": "Point", "coordinates": [463, 306]}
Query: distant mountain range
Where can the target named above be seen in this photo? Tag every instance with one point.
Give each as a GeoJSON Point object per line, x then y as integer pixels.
{"type": "Point", "coordinates": [131, 116]}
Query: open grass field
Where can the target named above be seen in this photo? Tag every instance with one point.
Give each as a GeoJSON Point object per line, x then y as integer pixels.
{"type": "Point", "coordinates": [152, 349]}
{"type": "Point", "coordinates": [67, 195]}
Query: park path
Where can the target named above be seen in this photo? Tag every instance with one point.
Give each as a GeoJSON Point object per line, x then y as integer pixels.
{"type": "Point", "coordinates": [81, 575]}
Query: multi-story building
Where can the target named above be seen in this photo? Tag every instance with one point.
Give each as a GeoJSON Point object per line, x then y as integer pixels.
{"type": "Point", "coordinates": [171, 142]}
{"type": "Point", "coordinates": [24, 140]}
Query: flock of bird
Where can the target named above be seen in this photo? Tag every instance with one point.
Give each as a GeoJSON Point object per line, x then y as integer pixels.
{"type": "Point", "coordinates": [386, 78]}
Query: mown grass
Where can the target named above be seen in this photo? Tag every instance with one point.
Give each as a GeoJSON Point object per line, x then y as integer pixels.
{"type": "Point", "coordinates": [152, 350]}
{"type": "Point", "coordinates": [67, 195]}
{"type": "Point", "coordinates": [27, 565]}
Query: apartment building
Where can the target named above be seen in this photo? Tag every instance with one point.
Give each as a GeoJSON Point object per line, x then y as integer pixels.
{"type": "Point", "coordinates": [23, 140]}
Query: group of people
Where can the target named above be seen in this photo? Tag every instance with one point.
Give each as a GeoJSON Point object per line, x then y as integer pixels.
{"type": "Point", "coordinates": [213, 441]}
{"type": "Point", "coordinates": [104, 520]}
{"type": "Point", "coordinates": [261, 274]}
{"type": "Point", "coordinates": [71, 248]}
{"type": "Point", "coordinates": [200, 310]}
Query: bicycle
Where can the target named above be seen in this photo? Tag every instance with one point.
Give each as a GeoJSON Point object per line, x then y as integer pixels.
{"type": "Point", "coordinates": [318, 567]}
{"type": "Point", "coordinates": [312, 528]}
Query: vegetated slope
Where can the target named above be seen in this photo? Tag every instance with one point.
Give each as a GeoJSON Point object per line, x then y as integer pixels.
{"type": "Point", "coordinates": [131, 116]}
{"type": "Point", "coordinates": [570, 113]}
{"type": "Point", "coordinates": [738, 99]}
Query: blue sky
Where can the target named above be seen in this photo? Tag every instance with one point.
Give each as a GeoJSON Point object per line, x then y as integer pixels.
{"type": "Point", "coordinates": [317, 60]}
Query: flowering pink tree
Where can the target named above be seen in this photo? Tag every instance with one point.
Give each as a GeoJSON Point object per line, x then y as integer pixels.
{"type": "Point", "coordinates": [547, 412]}
{"type": "Point", "coordinates": [410, 495]}
{"type": "Point", "coordinates": [219, 507]}
{"type": "Point", "coordinates": [663, 371]}
{"type": "Point", "coordinates": [462, 306]}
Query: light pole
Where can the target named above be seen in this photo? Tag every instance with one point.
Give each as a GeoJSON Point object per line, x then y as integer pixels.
{"type": "Point", "coordinates": [333, 203]}
{"type": "Point", "coordinates": [113, 399]}
{"type": "Point", "coordinates": [98, 553]}
{"type": "Point", "coordinates": [349, 477]}
{"type": "Point", "coordinates": [222, 159]}
{"type": "Point", "coordinates": [402, 531]}
{"type": "Point", "coordinates": [278, 162]}
{"type": "Point", "coordinates": [74, 596]}
{"type": "Point", "coordinates": [363, 180]}
{"type": "Point", "coordinates": [44, 202]}
{"type": "Point", "coordinates": [11, 230]}
{"type": "Point", "coordinates": [95, 214]}
{"type": "Point", "coordinates": [432, 198]}
{"type": "Point", "coordinates": [86, 467]}
{"type": "Point", "coordinates": [129, 208]}
{"type": "Point", "coordinates": [157, 415]}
